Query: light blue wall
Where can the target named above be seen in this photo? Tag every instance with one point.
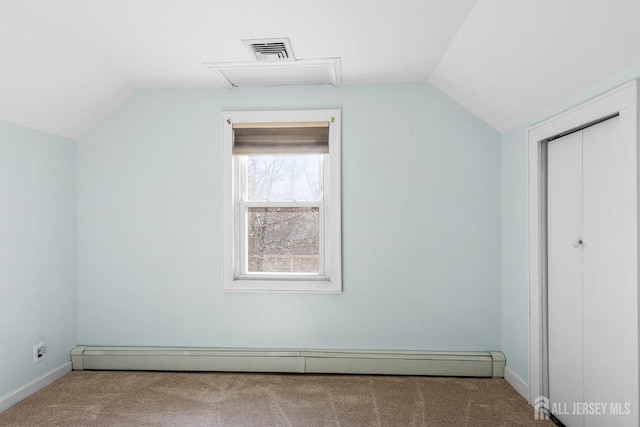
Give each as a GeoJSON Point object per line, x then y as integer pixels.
{"type": "Point", "coordinates": [38, 292]}
{"type": "Point", "coordinates": [421, 226]}
{"type": "Point", "coordinates": [515, 301]}
{"type": "Point", "coordinates": [515, 291]}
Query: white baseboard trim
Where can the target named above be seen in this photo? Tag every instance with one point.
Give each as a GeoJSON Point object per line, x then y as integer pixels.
{"type": "Point", "coordinates": [516, 382]}
{"type": "Point", "coordinates": [13, 397]}
{"type": "Point", "coordinates": [467, 364]}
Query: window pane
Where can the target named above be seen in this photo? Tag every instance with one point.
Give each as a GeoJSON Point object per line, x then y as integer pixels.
{"type": "Point", "coordinates": [283, 239]}
{"type": "Point", "coordinates": [284, 177]}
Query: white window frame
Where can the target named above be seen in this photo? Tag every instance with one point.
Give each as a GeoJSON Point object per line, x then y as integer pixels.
{"type": "Point", "coordinates": [330, 278]}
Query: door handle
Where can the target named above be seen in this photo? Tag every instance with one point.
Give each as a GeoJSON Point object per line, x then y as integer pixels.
{"type": "Point", "coordinates": [577, 242]}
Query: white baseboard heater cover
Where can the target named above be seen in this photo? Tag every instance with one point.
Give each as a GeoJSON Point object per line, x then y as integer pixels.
{"type": "Point", "coordinates": [455, 364]}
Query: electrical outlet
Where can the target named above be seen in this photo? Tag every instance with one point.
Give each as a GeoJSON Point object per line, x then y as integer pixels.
{"type": "Point", "coordinates": [39, 351]}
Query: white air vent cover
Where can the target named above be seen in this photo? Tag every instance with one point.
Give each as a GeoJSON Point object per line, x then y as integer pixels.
{"type": "Point", "coordinates": [270, 50]}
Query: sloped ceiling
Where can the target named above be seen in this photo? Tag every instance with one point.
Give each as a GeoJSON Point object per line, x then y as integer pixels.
{"type": "Point", "coordinates": [65, 64]}
{"type": "Point", "coordinates": [512, 60]}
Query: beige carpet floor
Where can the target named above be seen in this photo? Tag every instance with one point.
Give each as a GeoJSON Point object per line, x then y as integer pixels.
{"type": "Point", "coordinates": [85, 398]}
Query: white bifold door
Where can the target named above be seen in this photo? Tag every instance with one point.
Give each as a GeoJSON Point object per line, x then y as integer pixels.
{"type": "Point", "coordinates": [584, 302]}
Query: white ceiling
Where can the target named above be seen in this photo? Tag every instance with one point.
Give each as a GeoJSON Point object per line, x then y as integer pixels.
{"type": "Point", "coordinates": [66, 64]}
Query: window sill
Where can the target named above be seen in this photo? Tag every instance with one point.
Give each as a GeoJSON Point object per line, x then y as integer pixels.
{"type": "Point", "coordinates": [317, 285]}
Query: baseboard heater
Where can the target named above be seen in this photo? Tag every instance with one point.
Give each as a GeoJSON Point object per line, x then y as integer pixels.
{"type": "Point", "coordinates": [456, 364]}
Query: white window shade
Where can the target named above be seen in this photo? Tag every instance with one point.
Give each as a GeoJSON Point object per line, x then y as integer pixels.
{"type": "Point", "coordinates": [281, 138]}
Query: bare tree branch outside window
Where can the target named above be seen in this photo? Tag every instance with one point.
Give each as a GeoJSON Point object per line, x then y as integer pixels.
{"type": "Point", "coordinates": [284, 177]}
{"type": "Point", "coordinates": [283, 239]}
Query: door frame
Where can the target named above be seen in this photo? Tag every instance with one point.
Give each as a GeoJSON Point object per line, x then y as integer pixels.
{"type": "Point", "coordinates": [622, 101]}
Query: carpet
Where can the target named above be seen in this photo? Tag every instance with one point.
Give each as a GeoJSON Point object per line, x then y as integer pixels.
{"type": "Point", "coordinates": [94, 398]}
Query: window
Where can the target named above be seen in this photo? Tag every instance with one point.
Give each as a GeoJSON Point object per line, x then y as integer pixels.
{"type": "Point", "coordinates": [281, 207]}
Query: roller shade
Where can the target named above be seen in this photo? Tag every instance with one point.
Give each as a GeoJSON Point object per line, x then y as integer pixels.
{"type": "Point", "coordinates": [281, 138]}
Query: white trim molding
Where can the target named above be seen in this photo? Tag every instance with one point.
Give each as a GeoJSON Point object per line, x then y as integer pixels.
{"type": "Point", "coordinates": [516, 382]}
{"type": "Point", "coordinates": [621, 101]}
{"type": "Point", "coordinates": [11, 398]}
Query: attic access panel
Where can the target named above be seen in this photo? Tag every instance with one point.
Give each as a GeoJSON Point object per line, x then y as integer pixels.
{"type": "Point", "coordinates": [301, 72]}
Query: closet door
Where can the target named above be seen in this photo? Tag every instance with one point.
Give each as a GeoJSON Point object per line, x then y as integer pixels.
{"type": "Point", "coordinates": [565, 322]}
{"type": "Point", "coordinates": [584, 288]}
{"type": "Point", "coordinates": [601, 288]}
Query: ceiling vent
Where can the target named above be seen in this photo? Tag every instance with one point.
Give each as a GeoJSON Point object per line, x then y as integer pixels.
{"type": "Point", "coordinates": [270, 50]}
{"type": "Point", "coordinates": [275, 65]}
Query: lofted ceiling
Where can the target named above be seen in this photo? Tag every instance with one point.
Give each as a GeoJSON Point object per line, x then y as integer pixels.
{"type": "Point", "coordinates": [66, 64]}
